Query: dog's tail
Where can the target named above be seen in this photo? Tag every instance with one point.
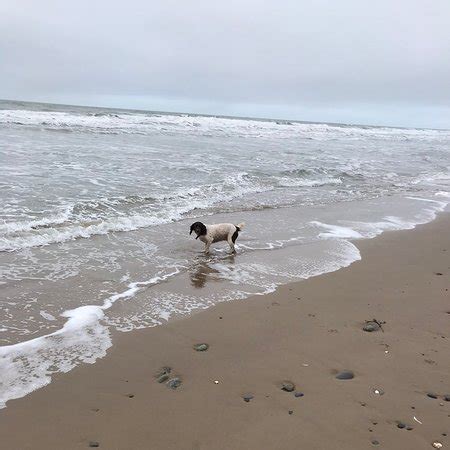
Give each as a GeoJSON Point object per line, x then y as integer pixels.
{"type": "Point", "coordinates": [240, 226]}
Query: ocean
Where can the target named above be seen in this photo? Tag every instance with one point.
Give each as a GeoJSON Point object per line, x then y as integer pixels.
{"type": "Point", "coordinates": [96, 204]}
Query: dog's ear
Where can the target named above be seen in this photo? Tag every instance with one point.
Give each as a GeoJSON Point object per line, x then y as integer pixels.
{"type": "Point", "coordinates": [202, 227]}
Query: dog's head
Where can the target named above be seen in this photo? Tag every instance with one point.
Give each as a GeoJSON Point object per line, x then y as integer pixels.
{"type": "Point", "coordinates": [199, 228]}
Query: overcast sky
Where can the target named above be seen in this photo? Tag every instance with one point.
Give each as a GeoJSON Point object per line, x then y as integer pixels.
{"type": "Point", "coordinates": [359, 61]}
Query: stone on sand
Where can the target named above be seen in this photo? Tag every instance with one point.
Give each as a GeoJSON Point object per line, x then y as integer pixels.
{"type": "Point", "coordinates": [163, 374]}
{"type": "Point", "coordinates": [345, 375]}
{"type": "Point", "coordinates": [287, 386]}
{"type": "Point", "coordinates": [174, 383]}
{"type": "Point", "coordinates": [371, 326]}
{"type": "Point", "coordinates": [201, 347]}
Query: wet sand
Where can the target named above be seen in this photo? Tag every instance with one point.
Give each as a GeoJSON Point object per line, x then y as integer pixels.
{"type": "Point", "coordinates": [303, 333]}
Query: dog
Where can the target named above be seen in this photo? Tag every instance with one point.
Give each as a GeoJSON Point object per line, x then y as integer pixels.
{"type": "Point", "coordinates": [216, 233]}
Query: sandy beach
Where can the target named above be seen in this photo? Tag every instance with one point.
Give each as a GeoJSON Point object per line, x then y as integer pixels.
{"type": "Point", "coordinates": [304, 333]}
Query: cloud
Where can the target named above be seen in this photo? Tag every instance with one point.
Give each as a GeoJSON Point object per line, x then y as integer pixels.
{"type": "Point", "coordinates": [259, 56]}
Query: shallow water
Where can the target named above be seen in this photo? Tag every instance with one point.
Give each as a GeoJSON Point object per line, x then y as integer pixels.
{"type": "Point", "coordinates": [96, 208]}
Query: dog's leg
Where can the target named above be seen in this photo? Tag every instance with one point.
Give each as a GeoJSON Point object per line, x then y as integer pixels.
{"type": "Point", "coordinates": [207, 245]}
{"type": "Point", "coordinates": [231, 243]}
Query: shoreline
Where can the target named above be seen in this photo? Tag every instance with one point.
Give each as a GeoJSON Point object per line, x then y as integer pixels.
{"type": "Point", "coordinates": [294, 334]}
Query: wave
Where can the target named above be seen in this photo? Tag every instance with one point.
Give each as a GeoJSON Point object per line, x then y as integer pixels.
{"type": "Point", "coordinates": [29, 365]}
{"type": "Point", "coordinates": [85, 219]}
{"type": "Point", "coordinates": [85, 335]}
{"type": "Point", "coordinates": [292, 182]}
{"type": "Point", "coordinates": [148, 123]}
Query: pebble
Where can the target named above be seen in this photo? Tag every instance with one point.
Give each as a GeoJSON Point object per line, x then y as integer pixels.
{"type": "Point", "coordinates": [130, 395]}
{"type": "Point", "coordinates": [378, 391]}
{"type": "Point", "coordinates": [162, 378]}
{"type": "Point", "coordinates": [431, 395]}
{"type": "Point", "coordinates": [94, 444]}
{"type": "Point", "coordinates": [287, 386]}
{"type": "Point", "coordinates": [401, 425]}
{"type": "Point", "coordinates": [447, 398]}
{"type": "Point", "coordinates": [163, 374]}
{"type": "Point", "coordinates": [174, 383]}
{"type": "Point", "coordinates": [291, 412]}
{"type": "Point", "coordinates": [371, 326]}
{"type": "Point", "coordinates": [345, 375]}
{"type": "Point", "coordinates": [437, 444]}
{"type": "Point", "coordinates": [201, 347]}
{"type": "Point", "coordinates": [247, 397]}
{"type": "Point", "coordinates": [375, 442]}
{"type": "Point", "coordinates": [409, 428]}
{"type": "Point", "coordinates": [299, 394]}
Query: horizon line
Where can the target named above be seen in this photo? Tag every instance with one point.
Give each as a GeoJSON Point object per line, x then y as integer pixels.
{"type": "Point", "coordinates": [271, 119]}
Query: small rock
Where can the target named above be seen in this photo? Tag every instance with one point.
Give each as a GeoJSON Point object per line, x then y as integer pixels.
{"type": "Point", "coordinates": [431, 395]}
{"type": "Point", "coordinates": [201, 347]}
{"type": "Point", "coordinates": [163, 374]}
{"type": "Point", "coordinates": [287, 386]}
{"type": "Point", "coordinates": [378, 391]}
{"type": "Point", "coordinates": [447, 398]}
{"type": "Point", "coordinates": [130, 395]}
{"type": "Point", "coordinates": [247, 397]}
{"type": "Point", "coordinates": [437, 273]}
{"type": "Point", "coordinates": [345, 375]}
{"type": "Point", "coordinates": [437, 444]}
{"type": "Point", "coordinates": [299, 394]}
{"type": "Point", "coordinates": [94, 444]}
{"type": "Point", "coordinates": [409, 428]}
{"type": "Point", "coordinates": [174, 383]}
{"type": "Point", "coordinates": [371, 326]}
{"type": "Point", "coordinates": [163, 371]}
{"type": "Point", "coordinates": [401, 425]}
{"type": "Point", "coordinates": [291, 412]}
{"type": "Point", "coordinates": [375, 442]}
{"type": "Point", "coordinates": [162, 378]}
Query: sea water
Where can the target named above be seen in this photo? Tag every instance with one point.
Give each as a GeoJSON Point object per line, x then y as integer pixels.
{"type": "Point", "coordinates": [96, 204]}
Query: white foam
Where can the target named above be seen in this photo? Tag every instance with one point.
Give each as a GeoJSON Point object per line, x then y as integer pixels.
{"type": "Point", "coordinates": [336, 231]}
{"type": "Point", "coordinates": [20, 235]}
{"type": "Point", "coordinates": [141, 123]}
{"type": "Point", "coordinates": [292, 182]}
{"type": "Point", "coordinates": [360, 229]}
{"type": "Point", "coordinates": [47, 315]}
{"type": "Point", "coordinates": [29, 365]}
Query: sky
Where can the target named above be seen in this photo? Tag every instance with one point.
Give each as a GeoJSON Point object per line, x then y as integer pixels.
{"type": "Point", "coordinates": [384, 62]}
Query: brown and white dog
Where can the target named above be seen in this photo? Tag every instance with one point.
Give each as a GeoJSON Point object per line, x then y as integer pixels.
{"type": "Point", "coordinates": [216, 233]}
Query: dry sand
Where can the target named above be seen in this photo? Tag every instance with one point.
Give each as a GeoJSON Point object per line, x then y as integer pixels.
{"type": "Point", "coordinates": [302, 333]}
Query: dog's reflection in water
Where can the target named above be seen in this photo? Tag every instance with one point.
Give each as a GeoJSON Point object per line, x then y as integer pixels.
{"type": "Point", "coordinates": [202, 272]}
